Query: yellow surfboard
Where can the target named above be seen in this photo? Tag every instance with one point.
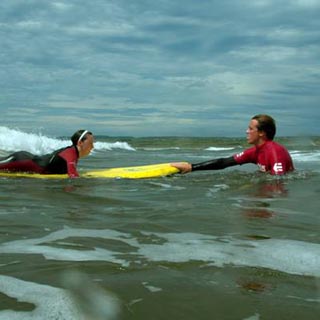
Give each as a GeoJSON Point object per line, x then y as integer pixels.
{"type": "Point", "coordinates": [138, 172]}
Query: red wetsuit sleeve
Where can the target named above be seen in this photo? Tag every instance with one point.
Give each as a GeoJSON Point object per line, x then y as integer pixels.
{"type": "Point", "coordinates": [246, 156]}
{"type": "Point", "coordinates": [70, 155]}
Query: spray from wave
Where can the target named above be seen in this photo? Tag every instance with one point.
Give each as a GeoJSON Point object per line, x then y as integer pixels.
{"type": "Point", "coordinates": [12, 140]}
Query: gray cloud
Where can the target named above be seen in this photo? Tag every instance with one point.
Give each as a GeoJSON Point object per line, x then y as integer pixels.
{"type": "Point", "coordinates": [196, 68]}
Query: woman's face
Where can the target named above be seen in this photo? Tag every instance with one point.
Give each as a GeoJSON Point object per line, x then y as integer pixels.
{"type": "Point", "coordinates": [85, 146]}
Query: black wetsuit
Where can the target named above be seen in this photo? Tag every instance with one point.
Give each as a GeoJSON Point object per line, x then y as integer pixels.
{"type": "Point", "coordinates": [215, 164]}
{"type": "Point", "coordinates": [61, 161]}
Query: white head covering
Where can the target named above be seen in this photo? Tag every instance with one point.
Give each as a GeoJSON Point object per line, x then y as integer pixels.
{"type": "Point", "coordinates": [82, 135]}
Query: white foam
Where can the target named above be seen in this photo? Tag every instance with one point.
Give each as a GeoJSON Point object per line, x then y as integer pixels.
{"type": "Point", "coordinates": [151, 288]}
{"type": "Point", "coordinates": [36, 246]}
{"type": "Point", "coordinates": [93, 303]}
{"type": "Point", "coordinates": [300, 156]}
{"type": "Point", "coordinates": [219, 148]}
{"type": "Point", "coordinates": [289, 256]}
{"type": "Point", "coordinates": [216, 188]}
{"type": "Point", "coordinates": [167, 186]}
{"type": "Point", "coordinates": [50, 302]}
{"type": "Point", "coordinates": [294, 257]}
{"type": "Point", "coordinates": [113, 145]}
{"type": "Point", "coordinates": [15, 140]}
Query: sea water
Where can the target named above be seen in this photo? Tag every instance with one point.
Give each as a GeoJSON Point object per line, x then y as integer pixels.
{"type": "Point", "coordinates": [229, 244]}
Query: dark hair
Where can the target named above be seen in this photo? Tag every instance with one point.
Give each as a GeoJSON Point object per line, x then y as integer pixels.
{"type": "Point", "coordinates": [77, 135]}
{"type": "Point", "coordinates": [266, 124]}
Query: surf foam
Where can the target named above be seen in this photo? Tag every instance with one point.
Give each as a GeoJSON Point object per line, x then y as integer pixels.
{"type": "Point", "coordinates": [289, 256]}
{"type": "Point", "coordinates": [50, 302]}
{"type": "Point", "coordinates": [54, 303]}
{"type": "Point", "coordinates": [12, 140]}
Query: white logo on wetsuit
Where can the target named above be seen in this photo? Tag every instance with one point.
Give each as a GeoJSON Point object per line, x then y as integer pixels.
{"type": "Point", "coordinates": [239, 154]}
{"type": "Point", "coordinates": [277, 167]}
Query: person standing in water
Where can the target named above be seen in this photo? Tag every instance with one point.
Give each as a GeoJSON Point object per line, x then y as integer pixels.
{"type": "Point", "coordinates": [62, 161]}
{"type": "Point", "coordinates": [270, 156]}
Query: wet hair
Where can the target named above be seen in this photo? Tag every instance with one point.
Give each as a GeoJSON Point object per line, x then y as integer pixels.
{"type": "Point", "coordinates": [266, 124]}
{"type": "Point", "coordinates": [79, 135]}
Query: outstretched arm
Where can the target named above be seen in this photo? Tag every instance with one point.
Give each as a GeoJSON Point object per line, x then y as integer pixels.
{"type": "Point", "coordinates": [215, 164]}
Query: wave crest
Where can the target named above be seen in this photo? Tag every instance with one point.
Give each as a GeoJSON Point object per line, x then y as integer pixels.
{"type": "Point", "coordinates": [12, 140]}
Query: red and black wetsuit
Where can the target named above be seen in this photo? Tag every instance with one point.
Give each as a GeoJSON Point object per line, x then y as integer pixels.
{"type": "Point", "coordinates": [270, 157]}
{"type": "Point", "coordinates": [61, 161]}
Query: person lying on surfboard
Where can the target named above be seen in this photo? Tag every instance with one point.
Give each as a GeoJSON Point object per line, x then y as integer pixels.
{"type": "Point", "coordinates": [62, 161]}
{"type": "Point", "coordinates": [269, 155]}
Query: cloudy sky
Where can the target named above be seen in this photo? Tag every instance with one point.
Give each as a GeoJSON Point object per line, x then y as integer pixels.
{"type": "Point", "coordinates": [154, 68]}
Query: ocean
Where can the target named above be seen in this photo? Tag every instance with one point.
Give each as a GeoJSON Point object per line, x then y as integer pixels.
{"type": "Point", "coordinates": [229, 244]}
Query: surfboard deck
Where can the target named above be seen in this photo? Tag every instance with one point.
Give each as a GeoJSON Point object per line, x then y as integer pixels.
{"type": "Point", "coordinates": [136, 172]}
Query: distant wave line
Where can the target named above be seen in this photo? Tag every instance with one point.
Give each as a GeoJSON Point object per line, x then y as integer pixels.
{"type": "Point", "coordinates": [219, 148]}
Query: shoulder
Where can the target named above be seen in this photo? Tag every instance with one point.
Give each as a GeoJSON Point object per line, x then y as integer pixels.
{"type": "Point", "coordinates": [246, 155]}
{"type": "Point", "coordinates": [272, 144]}
{"type": "Point", "coordinates": [275, 146]}
{"type": "Point", "coordinates": [69, 153]}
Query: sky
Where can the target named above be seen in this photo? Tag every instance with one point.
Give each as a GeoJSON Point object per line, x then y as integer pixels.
{"type": "Point", "coordinates": [159, 68]}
